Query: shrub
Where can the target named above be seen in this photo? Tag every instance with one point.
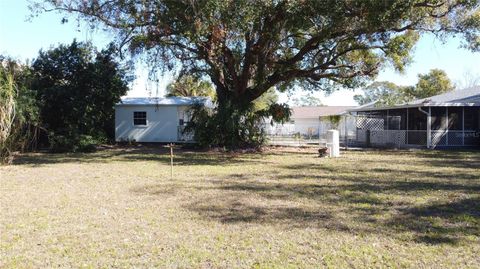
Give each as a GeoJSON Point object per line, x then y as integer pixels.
{"type": "Point", "coordinates": [88, 143]}
{"type": "Point", "coordinates": [61, 143]}
{"type": "Point", "coordinates": [8, 93]}
{"type": "Point", "coordinates": [74, 143]}
{"type": "Point", "coordinates": [231, 127]}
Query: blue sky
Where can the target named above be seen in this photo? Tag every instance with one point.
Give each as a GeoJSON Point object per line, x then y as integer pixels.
{"type": "Point", "coordinates": [22, 38]}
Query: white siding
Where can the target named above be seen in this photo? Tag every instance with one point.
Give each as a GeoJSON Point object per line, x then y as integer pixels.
{"type": "Point", "coordinates": [307, 126]}
{"type": "Point", "coordinates": [162, 123]}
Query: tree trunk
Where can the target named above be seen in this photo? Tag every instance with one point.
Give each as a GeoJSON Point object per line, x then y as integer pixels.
{"type": "Point", "coordinates": [233, 121]}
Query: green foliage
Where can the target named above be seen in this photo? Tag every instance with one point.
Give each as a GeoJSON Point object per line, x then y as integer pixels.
{"type": "Point", "coordinates": [247, 47]}
{"type": "Point", "coordinates": [226, 127]}
{"type": "Point", "coordinates": [399, 47]}
{"type": "Point", "coordinates": [334, 120]}
{"type": "Point", "coordinates": [215, 127]}
{"type": "Point", "coordinates": [190, 86]}
{"type": "Point", "coordinates": [266, 100]}
{"type": "Point", "coordinates": [433, 83]}
{"type": "Point", "coordinates": [7, 114]}
{"type": "Point", "coordinates": [384, 93]}
{"type": "Point", "coordinates": [69, 92]}
{"type": "Point", "coordinates": [231, 127]}
{"type": "Point", "coordinates": [280, 113]}
{"type": "Point", "coordinates": [22, 121]}
{"type": "Point", "coordinates": [388, 94]}
{"type": "Point", "coordinates": [61, 143]}
{"type": "Point", "coordinates": [307, 100]}
{"type": "Point", "coordinates": [73, 143]}
{"type": "Point", "coordinates": [77, 89]}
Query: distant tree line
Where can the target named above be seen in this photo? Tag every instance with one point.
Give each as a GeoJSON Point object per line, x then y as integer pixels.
{"type": "Point", "coordinates": [386, 93]}
{"type": "Point", "coordinates": [63, 100]}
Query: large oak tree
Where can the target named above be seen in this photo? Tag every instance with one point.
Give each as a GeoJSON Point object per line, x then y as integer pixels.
{"type": "Point", "coordinates": [246, 47]}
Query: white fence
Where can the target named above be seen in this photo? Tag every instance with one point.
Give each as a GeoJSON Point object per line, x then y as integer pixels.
{"type": "Point", "coordinates": [309, 132]}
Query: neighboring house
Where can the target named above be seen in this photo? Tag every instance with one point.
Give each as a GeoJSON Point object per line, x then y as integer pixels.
{"type": "Point", "coordinates": [448, 120]}
{"type": "Point", "coordinates": [144, 119]}
{"type": "Point", "coordinates": [310, 121]}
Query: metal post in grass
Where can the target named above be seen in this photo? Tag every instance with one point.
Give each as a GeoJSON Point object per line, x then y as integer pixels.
{"type": "Point", "coordinates": [171, 160]}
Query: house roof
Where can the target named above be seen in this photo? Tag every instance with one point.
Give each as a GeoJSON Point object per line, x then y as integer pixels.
{"type": "Point", "coordinates": [314, 112]}
{"type": "Point", "coordinates": [164, 101]}
{"type": "Point", "coordinates": [464, 97]}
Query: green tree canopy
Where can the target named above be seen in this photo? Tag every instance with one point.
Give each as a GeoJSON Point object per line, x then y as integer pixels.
{"type": "Point", "coordinates": [307, 100]}
{"type": "Point", "coordinates": [77, 88]}
{"type": "Point", "coordinates": [268, 98]}
{"type": "Point", "coordinates": [248, 46]}
{"type": "Point", "coordinates": [387, 93]}
{"type": "Point", "coordinates": [433, 83]}
{"type": "Point", "coordinates": [190, 86]}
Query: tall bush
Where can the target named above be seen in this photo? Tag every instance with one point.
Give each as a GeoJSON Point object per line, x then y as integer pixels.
{"type": "Point", "coordinates": [7, 114]}
{"type": "Point", "coordinates": [236, 128]}
{"type": "Point", "coordinates": [77, 88]}
{"type": "Point", "coordinates": [19, 109]}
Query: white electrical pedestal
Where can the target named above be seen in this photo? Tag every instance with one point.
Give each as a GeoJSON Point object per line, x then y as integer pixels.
{"type": "Point", "coordinates": [333, 143]}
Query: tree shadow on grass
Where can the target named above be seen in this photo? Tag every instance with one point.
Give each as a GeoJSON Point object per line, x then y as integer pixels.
{"type": "Point", "coordinates": [345, 208]}
{"type": "Point", "coordinates": [361, 197]}
{"type": "Point", "coordinates": [469, 159]}
{"type": "Point", "coordinates": [438, 158]}
{"type": "Point", "coordinates": [138, 153]}
{"type": "Point", "coordinates": [340, 197]}
{"type": "Point", "coordinates": [347, 199]}
{"type": "Point", "coordinates": [439, 223]}
{"type": "Point", "coordinates": [234, 209]}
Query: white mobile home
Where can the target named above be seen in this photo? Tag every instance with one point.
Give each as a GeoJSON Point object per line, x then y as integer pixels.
{"type": "Point", "coordinates": [144, 119]}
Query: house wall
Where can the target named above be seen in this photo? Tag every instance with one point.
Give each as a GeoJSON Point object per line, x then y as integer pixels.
{"type": "Point", "coordinates": [306, 126]}
{"type": "Point", "coordinates": [162, 123]}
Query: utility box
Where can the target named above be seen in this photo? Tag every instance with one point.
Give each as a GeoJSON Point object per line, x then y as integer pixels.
{"type": "Point", "coordinates": [333, 143]}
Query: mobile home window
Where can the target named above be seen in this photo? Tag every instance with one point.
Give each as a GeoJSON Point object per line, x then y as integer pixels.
{"type": "Point", "coordinates": [139, 118]}
{"type": "Point", "coordinates": [184, 118]}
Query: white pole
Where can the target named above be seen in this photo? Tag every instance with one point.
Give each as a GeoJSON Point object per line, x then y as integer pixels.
{"type": "Point", "coordinates": [406, 133]}
{"type": "Point", "coordinates": [387, 137]}
{"type": "Point", "coordinates": [318, 132]}
{"type": "Point", "coordinates": [171, 161]}
{"type": "Point", "coordinates": [463, 126]}
{"type": "Point", "coordinates": [446, 127]}
{"type": "Point", "coordinates": [333, 143]}
{"type": "Point", "coordinates": [345, 119]}
{"type": "Point", "coordinates": [429, 128]}
{"type": "Point", "coordinates": [429, 125]}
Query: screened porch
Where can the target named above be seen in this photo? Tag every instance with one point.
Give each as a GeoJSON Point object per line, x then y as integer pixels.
{"type": "Point", "coordinates": [435, 126]}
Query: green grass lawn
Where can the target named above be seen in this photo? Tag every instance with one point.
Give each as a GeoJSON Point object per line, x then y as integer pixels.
{"type": "Point", "coordinates": [279, 209]}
